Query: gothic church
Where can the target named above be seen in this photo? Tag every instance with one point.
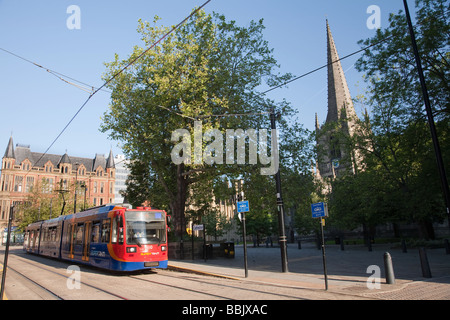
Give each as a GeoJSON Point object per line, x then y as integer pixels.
{"type": "Point", "coordinates": [333, 158]}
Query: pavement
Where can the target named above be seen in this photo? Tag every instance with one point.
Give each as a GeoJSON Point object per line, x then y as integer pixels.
{"type": "Point", "coordinates": [354, 273]}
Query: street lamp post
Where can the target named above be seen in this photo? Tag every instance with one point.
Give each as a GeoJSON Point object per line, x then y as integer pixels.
{"type": "Point", "coordinates": [76, 184]}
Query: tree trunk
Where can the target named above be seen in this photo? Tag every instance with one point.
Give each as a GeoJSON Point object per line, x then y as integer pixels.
{"type": "Point", "coordinates": [178, 206]}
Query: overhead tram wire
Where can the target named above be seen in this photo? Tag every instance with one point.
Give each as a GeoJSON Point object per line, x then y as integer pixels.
{"type": "Point", "coordinates": [118, 73]}
{"type": "Point", "coordinates": [295, 79]}
{"type": "Point", "coordinates": [444, 14]}
{"type": "Point", "coordinates": [82, 85]}
{"type": "Point", "coordinates": [324, 66]}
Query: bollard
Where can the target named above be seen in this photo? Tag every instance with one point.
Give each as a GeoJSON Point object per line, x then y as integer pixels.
{"type": "Point", "coordinates": [426, 272]}
{"type": "Point", "coordinates": [299, 244]}
{"type": "Point", "coordinates": [447, 246]}
{"type": "Point", "coordinates": [388, 268]}
{"type": "Point", "coordinates": [404, 250]}
{"type": "Point", "coordinates": [342, 243]}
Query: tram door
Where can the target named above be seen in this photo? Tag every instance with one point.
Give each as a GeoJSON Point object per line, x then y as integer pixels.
{"type": "Point", "coordinates": [86, 240]}
{"type": "Point", "coordinates": [72, 239]}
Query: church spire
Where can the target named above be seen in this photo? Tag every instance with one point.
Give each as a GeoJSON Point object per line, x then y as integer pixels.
{"type": "Point", "coordinates": [339, 98]}
{"type": "Point", "coordinates": [317, 123]}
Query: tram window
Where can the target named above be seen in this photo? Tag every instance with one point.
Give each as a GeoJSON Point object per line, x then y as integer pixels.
{"type": "Point", "coordinates": [69, 234]}
{"type": "Point", "coordinates": [79, 234]}
{"type": "Point", "coordinates": [114, 231]}
{"type": "Point", "coordinates": [44, 235]}
{"type": "Point", "coordinates": [117, 230]}
{"type": "Point", "coordinates": [95, 234]}
{"type": "Point", "coordinates": [106, 230]}
{"type": "Point", "coordinates": [53, 234]}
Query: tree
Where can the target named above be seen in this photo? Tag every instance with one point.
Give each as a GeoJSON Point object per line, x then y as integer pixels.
{"type": "Point", "coordinates": [206, 67]}
{"type": "Point", "coordinates": [400, 180]}
{"type": "Point", "coordinates": [43, 203]}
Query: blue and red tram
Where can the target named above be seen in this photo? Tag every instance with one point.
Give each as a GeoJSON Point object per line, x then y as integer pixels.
{"type": "Point", "coordinates": [114, 237]}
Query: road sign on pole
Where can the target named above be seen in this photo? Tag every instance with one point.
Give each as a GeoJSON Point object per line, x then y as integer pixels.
{"type": "Point", "coordinates": [243, 206]}
{"type": "Point", "coordinates": [319, 210]}
{"type": "Point", "coordinates": [197, 227]}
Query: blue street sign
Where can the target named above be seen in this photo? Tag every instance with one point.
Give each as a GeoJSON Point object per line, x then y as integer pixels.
{"type": "Point", "coordinates": [243, 206]}
{"type": "Point", "coordinates": [319, 210]}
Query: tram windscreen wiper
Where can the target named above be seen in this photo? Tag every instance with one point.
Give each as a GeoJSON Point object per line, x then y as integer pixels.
{"type": "Point", "coordinates": [138, 242]}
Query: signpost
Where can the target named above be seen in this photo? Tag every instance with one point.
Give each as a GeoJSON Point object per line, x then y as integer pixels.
{"type": "Point", "coordinates": [320, 210]}
{"type": "Point", "coordinates": [242, 208]}
{"type": "Point", "coordinates": [5, 261]}
{"type": "Point", "coordinates": [196, 227]}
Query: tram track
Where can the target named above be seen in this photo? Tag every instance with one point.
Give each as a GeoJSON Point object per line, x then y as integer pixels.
{"type": "Point", "coordinates": [41, 287]}
{"type": "Point", "coordinates": [65, 276]}
{"type": "Point", "coordinates": [97, 283]}
{"type": "Point", "coordinates": [155, 282]}
{"type": "Point", "coordinates": [181, 288]}
{"type": "Point", "coordinates": [246, 289]}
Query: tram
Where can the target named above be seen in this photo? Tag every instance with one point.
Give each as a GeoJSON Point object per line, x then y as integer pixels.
{"type": "Point", "coordinates": [113, 236]}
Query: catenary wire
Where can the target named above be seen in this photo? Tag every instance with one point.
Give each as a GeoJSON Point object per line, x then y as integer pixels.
{"type": "Point", "coordinates": [62, 77]}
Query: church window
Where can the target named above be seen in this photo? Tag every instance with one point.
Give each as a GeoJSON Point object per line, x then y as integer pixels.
{"type": "Point", "coordinates": [335, 150]}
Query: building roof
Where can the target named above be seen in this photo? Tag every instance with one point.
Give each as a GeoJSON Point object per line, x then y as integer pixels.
{"type": "Point", "coordinates": [9, 153]}
{"type": "Point", "coordinates": [38, 159]}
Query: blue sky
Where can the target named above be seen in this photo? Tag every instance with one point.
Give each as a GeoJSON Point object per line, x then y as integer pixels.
{"type": "Point", "coordinates": [35, 105]}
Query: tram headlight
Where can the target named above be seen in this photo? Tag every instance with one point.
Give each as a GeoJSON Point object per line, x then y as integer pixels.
{"type": "Point", "coordinates": [163, 248]}
{"type": "Point", "coordinates": [131, 249]}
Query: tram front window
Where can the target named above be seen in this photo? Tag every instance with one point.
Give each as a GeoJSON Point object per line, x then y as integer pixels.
{"type": "Point", "coordinates": [145, 227]}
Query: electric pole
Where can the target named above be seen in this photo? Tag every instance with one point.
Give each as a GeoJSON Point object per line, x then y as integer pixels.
{"type": "Point", "coordinates": [434, 137]}
{"type": "Point", "coordinates": [282, 235]}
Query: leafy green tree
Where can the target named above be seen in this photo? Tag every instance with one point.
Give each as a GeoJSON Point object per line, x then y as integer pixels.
{"type": "Point", "coordinates": [206, 67]}
{"type": "Point", "coordinates": [43, 203]}
{"type": "Point", "coordinates": [399, 181]}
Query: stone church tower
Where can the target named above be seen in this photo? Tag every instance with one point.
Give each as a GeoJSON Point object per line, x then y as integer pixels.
{"type": "Point", "coordinates": [333, 158]}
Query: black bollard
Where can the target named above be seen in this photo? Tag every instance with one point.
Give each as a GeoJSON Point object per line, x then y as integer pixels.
{"type": "Point", "coordinates": [299, 244]}
{"type": "Point", "coordinates": [447, 246]}
{"type": "Point", "coordinates": [388, 268]}
{"type": "Point", "coordinates": [426, 272]}
{"type": "Point", "coordinates": [404, 250]}
{"type": "Point", "coordinates": [342, 243]}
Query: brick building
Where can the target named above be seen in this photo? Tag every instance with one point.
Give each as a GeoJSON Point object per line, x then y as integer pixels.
{"type": "Point", "coordinates": [22, 169]}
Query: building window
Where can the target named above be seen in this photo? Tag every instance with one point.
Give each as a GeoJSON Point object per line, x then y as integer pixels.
{"type": "Point", "coordinates": [30, 184]}
{"type": "Point", "coordinates": [18, 184]}
{"type": "Point", "coordinates": [25, 166]}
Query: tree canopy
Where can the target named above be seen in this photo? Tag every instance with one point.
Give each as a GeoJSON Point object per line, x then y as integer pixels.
{"type": "Point", "coordinates": [207, 73]}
